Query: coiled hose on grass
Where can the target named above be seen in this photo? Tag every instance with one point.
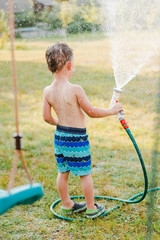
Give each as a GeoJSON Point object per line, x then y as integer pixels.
{"type": "Point", "coordinates": [131, 200]}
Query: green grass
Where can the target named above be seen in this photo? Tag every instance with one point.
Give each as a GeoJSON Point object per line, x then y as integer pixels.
{"type": "Point", "coordinates": [116, 170]}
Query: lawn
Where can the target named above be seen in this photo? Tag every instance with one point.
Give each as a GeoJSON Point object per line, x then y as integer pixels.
{"type": "Point", "coordinates": [115, 167]}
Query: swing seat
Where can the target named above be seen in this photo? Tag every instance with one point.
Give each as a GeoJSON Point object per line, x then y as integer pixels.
{"type": "Point", "coordinates": [22, 195]}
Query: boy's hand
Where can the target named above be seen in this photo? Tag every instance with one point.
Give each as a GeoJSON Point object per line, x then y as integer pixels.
{"type": "Point", "coordinates": [116, 108]}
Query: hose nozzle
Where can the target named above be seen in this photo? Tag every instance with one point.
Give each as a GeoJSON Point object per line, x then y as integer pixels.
{"type": "Point", "coordinates": [115, 98]}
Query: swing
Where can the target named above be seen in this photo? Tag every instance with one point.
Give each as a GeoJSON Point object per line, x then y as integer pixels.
{"type": "Point", "coordinates": [22, 195]}
{"type": "Point", "coordinates": [29, 193]}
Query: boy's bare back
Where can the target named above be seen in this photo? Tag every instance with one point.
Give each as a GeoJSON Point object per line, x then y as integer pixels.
{"type": "Point", "coordinates": [62, 96]}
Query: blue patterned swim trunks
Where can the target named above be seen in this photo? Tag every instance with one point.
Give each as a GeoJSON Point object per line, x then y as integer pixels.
{"type": "Point", "coordinates": [72, 150]}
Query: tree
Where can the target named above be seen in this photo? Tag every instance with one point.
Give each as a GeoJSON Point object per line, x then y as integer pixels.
{"type": "Point", "coordinates": [90, 12]}
{"type": "Point", "coordinates": [68, 9]}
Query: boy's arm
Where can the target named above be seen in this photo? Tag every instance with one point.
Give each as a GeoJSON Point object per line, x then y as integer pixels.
{"type": "Point", "coordinates": [47, 116]}
{"type": "Point", "coordinates": [94, 112]}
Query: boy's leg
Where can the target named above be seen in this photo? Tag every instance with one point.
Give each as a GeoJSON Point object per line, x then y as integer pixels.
{"type": "Point", "coordinates": [87, 188]}
{"type": "Point", "coordinates": [62, 186]}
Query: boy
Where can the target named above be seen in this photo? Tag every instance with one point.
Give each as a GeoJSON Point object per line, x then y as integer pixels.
{"type": "Point", "coordinates": [72, 149]}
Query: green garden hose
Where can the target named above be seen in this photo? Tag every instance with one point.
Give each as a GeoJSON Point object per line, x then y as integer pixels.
{"type": "Point", "coordinates": [141, 195]}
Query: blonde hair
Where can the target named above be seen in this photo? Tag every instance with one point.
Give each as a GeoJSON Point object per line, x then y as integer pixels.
{"type": "Point", "coordinates": [57, 55]}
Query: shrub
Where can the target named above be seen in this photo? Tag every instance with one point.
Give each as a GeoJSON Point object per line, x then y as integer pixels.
{"type": "Point", "coordinates": [80, 18]}
{"type": "Point", "coordinates": [53, 22]}
{"type": "Point", "coordinates": [89, 11]}
{"type": "Point", "coordinates": [25, 19]}
{"type": "Point", "coordinates": [87, 27]}
{"type": "Point", "coordinates": [50, 18]}
{"type": "Point", "coordinates": [74, 27]}
{"type": "Point", "coordinates": [82, 26]}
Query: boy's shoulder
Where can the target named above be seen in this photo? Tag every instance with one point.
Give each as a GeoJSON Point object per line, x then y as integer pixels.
{"type": "Point", "coordinates": [46, 89]}
{"type": "Point", "coordinates": [77, 88]}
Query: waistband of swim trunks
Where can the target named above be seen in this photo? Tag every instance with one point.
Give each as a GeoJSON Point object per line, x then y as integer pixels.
{"type": "Point", "coordinates": [71, 130]}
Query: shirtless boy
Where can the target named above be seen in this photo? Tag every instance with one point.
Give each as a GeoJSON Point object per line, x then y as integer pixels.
{"type": "Point", "coordinates": [72, 149]}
